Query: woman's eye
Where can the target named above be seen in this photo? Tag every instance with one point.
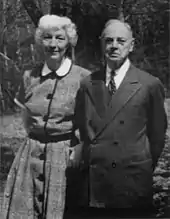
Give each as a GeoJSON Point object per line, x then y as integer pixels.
{"type": "Point", "coordinates": [47, 37]}
{"type": "Point", "coordinates": [59, 38]}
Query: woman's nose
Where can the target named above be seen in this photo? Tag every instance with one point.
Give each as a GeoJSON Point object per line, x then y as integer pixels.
{"type": "Point", "coordinates": [53, 42]}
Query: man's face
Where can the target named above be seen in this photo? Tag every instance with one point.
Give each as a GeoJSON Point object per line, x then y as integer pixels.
{"type": "Point", "coordinates": [117, 43]}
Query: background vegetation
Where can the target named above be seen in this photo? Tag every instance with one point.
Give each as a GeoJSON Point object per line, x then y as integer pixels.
{"type": "Point", "coordinates": [18, 19]}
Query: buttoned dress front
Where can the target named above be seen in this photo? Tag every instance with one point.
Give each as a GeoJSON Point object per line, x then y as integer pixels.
{"type": "Point", "coordinates": [36, 182]}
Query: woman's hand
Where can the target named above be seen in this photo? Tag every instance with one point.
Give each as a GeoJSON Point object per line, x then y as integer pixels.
{"type": "Point", "coordinates": [75, 155]}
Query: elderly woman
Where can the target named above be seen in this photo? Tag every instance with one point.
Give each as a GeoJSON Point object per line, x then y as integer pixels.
{"type": "Point", "coordinates": [36, 183]}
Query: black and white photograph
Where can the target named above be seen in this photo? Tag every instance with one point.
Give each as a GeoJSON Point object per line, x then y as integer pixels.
{"type": "Point", "coordinates": [84, 109]}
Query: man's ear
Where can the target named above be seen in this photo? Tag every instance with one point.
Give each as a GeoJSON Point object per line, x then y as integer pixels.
{"type": "Point", "coordinates": [132, 45]}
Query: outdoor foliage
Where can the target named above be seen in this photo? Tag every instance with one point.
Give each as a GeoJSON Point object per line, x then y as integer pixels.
{"type": "Point", "coordinates": [18, 19]}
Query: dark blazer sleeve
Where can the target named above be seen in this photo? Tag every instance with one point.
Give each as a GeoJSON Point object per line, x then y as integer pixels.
{"type": "Point", "coordinates": [157, 120]}
{"type": "Point", "coordinates": [79, 118]}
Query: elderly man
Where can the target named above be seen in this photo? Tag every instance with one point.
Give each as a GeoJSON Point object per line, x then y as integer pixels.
{"type": "Point", "coordinates": [122, 122]}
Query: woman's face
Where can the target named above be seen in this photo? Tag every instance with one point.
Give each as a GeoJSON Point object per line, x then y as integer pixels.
{"type": "Point", "coordinates": [55, 43]}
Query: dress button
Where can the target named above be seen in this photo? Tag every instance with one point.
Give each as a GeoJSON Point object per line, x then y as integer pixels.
{"type": "Point", "coordinates": [116, 143]}
{"type": "Point", "coordinates": [41, 177]}
{"type": "Point", "coordinates": [42, 156]}
{"type": "Point", "coordinates": [7, 195]}
{"type": "Point", "coordinates": [114, 164]}
{"type": "Point", "coordinates": [49, 96]}
{"type": "Point", "coordinates": [45, 118]}
{"type": "Point", "coordinates": [40, 198]}
{"type": "Point", "coordinates": [122, 122]}
{"type": "Point", "coordinates": [95, 141]}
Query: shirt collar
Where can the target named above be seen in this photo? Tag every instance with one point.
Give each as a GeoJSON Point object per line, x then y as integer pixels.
{"type": "Point", "coordinates": [61, 71]}
{"type": "Point", "coordinates": [124, 68]}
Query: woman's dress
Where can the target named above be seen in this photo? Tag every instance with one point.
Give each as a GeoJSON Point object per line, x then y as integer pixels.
{"type": "Point", "coordinates": [36, 182]}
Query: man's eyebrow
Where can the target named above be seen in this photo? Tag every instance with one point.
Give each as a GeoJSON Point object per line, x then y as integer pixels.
{"type": "Point", "coordinates": [108, 37]}
{"type": "Point", "coordinates": [122, 38]}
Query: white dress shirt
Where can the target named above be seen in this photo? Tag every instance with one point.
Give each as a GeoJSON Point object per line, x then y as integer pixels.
{"type": "Point", "coordinates": [61, 71]}
{"type": "Point", "coordinates": [119, 73]}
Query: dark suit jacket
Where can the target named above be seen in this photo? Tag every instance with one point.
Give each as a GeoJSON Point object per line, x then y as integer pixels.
{"type": "Point", "coordinates": [123, 137]}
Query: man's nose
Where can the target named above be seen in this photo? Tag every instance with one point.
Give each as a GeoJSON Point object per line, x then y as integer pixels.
{"type": "Point", "coordinates": [114, 43]}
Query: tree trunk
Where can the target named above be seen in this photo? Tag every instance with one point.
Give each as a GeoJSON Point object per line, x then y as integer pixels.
{"type": "Point", "coordinates": [5, 63]}
{"type": "Point", "coordinates": [56, 7]}
{"type": "Point", "coordinates": [115, 8]}
{"type": "Point", "coordinates": [46, 6]}
{"type": "Point", "coordinates": [121, 15]}
{"type": "Point", "coordinates": [31, 45]}
{"type": "Point", "coordinates": [33, 11]}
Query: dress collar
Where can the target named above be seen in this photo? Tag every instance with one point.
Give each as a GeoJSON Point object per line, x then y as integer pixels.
{"type": "Point", "coordinates": [61, 71]}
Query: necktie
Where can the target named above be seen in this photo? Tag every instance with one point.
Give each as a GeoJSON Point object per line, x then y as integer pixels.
{"type": "Point", "coordinates": [112, 84]}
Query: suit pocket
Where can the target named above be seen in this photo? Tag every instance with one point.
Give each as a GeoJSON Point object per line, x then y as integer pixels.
{"type": "Point", "coordinates": [141, 175]}
{"type": "Point", "coordinates": [142, 165]}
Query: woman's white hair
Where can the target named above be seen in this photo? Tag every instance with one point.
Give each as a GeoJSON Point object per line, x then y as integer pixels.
{"type": "Point", "coordinates": [48, 22]}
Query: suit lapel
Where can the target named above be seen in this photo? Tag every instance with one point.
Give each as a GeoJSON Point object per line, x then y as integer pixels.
{"type": "Point", "coordinates": [128, 88]}
{"type": "Point", "coordinates": [98, 92]}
